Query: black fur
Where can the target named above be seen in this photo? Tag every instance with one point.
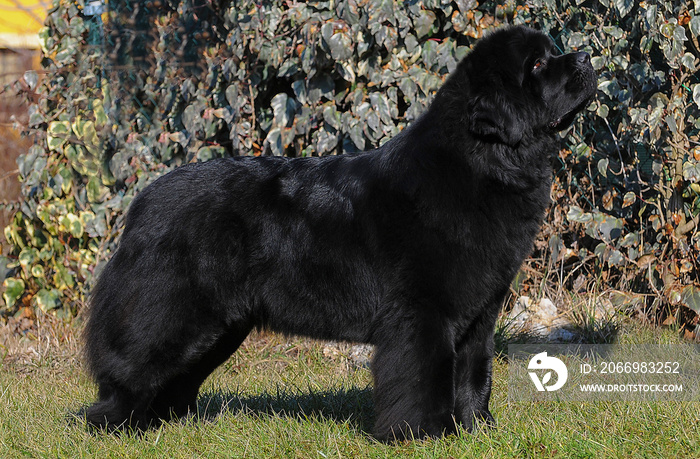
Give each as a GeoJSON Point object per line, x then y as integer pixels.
{"type": "Point", "coordinates": [410, 247]}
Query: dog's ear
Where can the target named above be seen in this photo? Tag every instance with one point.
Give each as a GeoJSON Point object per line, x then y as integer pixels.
{"type": "Point", "coordinates": [495, 121]}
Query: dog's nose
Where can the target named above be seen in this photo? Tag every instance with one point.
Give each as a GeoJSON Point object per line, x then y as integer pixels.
{"type": "Point", "coordinates": [583, 58]}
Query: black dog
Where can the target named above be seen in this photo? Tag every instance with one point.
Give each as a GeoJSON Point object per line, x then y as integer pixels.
{"type": "Point", "coordinates": [410, 247]}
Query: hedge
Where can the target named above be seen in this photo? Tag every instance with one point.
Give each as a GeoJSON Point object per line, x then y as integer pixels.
{"type": "Point", "coordinates": [132, 89]}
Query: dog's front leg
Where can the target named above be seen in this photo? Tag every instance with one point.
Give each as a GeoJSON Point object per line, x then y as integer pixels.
{"type": "Point", "coordinates": [473, 372]}
{"type": "Point", "coordinates": [413, 370]}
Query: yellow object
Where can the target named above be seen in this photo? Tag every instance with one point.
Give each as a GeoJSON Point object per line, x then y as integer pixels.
{"type": "Point", "coordinates": [20, 20]}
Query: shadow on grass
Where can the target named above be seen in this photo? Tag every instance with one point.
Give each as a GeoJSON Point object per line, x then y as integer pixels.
{"type": "Point", "coordinates": [353, 406]}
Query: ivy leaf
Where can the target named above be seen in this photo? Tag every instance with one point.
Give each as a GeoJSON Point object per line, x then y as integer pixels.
{"type": "Point", "coordinates": [630, 240]}
{"type": "Point", "coordinates": [616, 258]}
{"type": "Point", "coordinates": [320, 86]}
{"type": "Point", "coordinates": [331, 116]}
{"type": "Point", "coordinates": [96, 192]}
{"type": "Point", "coordinates": [629, 199]}
{"type": "Point", "coordinates": [690, 296]}
{"type": "Point", "coordinates": [424, 24]}
{"type": "Point", "coordinates": [691, 171]}
{"type": "Point", "coordinates": [47, 300]}
{"type": "Point", "coordinates": [283, 109]}
{"type": "Point", "coordinates": [99, 111]}
{"type": "Point", "coordinates": [57, 134]}
{"type": "Point", "coordinates": [466, 5]}
{"type": "Point", "coordinates": [326, 141]}
{"type": "Point", "coordinates": [357, 136]}
{"type": "Point", "coordinates": [380, 104]}
{"type": "Point", "coordinates": [232, 95]}
{"type": "Point", "coordinates": [576, 214]}
{"type": "Point", "coordinates": [273, 141]}
{"type": "Point", "coordinates": [13, 290]}
{"type": "Point", "coordinates": [346, 72]}
{"type": "Point", "coordinates": [37, 271]}
{"type": "Point", "coordinates": [73, 225]}
{"type": "Point", "coordinates": [31, 78]}
{"type": "Point", "coordinates": [688, 61]}
{"type": "Point", "coordinates": [340, 46]}
{"type": "Point", "coordinates": [603, 167]}
{"type": "Point", "coordinates": [624, 7]}
{"type": "Point", "coordinates": [27, 256]}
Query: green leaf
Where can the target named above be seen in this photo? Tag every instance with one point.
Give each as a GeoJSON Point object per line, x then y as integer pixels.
{"type": "Point", "coordinates": [31, 78]}
{"type": "Point", "coordinates": [603, 167]}
{"type": "Point", "coordinates": [331, 116]}
{"type": "Point", "coordinates": [73, 225]}
{"type": "Point", "coordinates": [57, 134]}
{"type": "Point", "coordinates": [62, 278]}
{"type": "Point", "coordinates": [628, 199]}
{"type": "Point", "coordinates": [624, 7]}
{"type": "Point", "coordinates": [616, 258]}
{"type": "Point", "coordinates": [601, 251]}
{"type": "Point", "coordinates": [232, 95]}
{"type": "Point", "coordinates": [46, 41]}
{"type": "Point", "coordinates": [609, 228]}
{"type": "Point", "coordinates": [274, 142]}
{"type": "Point", "coordinates": [614, 31]}
{"type": "Point", "coordinates": [346, 71]}
{"type": "Point", "coordinates": [320, 86]}
{"type": "Point", "coordinates": [37, 271]}
{"type": "Point", "coordinates": [27, 256]}
{"type": "Point", "coordinates": [575, 40]}
{"type": "Point", "coordinates": [47, 300]}
{"type": "Point", "coordinates": [576, 214]}
{"type": "Point", "coordinates": [603, 111]}
{"type": "Point", "coordinates": [95, 191]}
{"type": "Point", "coordinates": [14, 288]}
{"type": "Point", "coordinates": [326, 141]}
{"type": "Point", "coordinates": [598, 62]}
{"type": "Point", "coordinates": [694, 25]}
{"type": "Point", "coordinates": [425, 24]}
{"type": "Point", "coordinates": [99, 111]}
{"type": "Point", "coordinates": [341, 47]}
{"type": "Point", "coordinates": [283, 109]}
{"type": "Point", "coordinates": [630, 240]}
{"type": "Point", "coordinates": [691, 171]}
{"type": "Point", "coordinates": [688, 61]}
{"type": "Point", "coordinates": [690, 296]}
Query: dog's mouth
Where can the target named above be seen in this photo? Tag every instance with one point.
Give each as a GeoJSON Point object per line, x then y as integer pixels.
{"type": "Point", "coordinates": [584, 81]}
{"type": "Point", "coordinates": [563, 122]}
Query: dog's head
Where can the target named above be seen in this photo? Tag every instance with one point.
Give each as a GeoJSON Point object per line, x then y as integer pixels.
{"type": "Point", "coordinates": [517, 82]}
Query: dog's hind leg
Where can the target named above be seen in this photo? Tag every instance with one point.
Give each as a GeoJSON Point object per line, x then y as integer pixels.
{"type": "Point", "coordinates": [178, 396]}
{"type": "Point", "coordinates": [161, 392]}
{"type": "Point", "coordinates": [118, 409]}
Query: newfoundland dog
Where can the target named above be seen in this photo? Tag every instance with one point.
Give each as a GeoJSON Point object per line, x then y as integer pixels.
{"type": "Point", "coordinates": [410, 247]}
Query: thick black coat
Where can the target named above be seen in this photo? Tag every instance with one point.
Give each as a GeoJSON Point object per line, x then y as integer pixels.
{"type": "Point", "coordinates": [410, 247]}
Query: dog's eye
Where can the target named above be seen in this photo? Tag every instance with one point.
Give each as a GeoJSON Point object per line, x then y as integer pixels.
{"type": "Point", "coordinates": [539, 63]}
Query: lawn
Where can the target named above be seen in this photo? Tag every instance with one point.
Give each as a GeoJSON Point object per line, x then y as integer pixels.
{"type": "Point", "coordinates": [286, 397]}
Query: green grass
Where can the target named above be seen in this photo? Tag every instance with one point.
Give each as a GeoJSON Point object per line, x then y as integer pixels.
{"type": "Point", "coordinates": [281, 397]}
